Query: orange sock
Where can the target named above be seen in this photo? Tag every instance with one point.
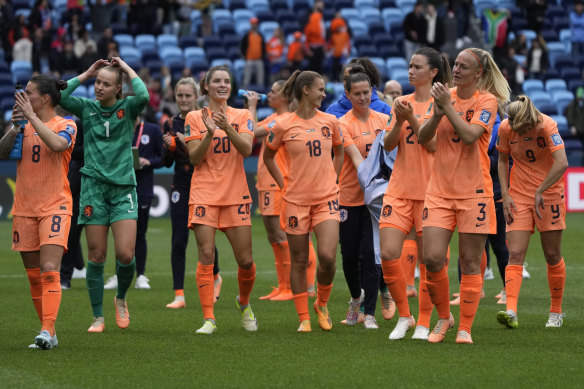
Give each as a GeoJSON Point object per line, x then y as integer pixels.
{"type": "Point", "coordinates": [424, 300]}
{"type": "Point", "coordinates": [205, 286]}
{"type": "Point", "coordinates": [483, 263]}
{"type": "Point", "coordinates": [470, 296]}
{"type": "Point", "coordinates": [323, 293]}
{"type": "Point", "coordinates": [179, 292]}
{"type": "Point", "coordinates": [556, 279]}
{"type": "Point", "coordinates": [36, 290]}
{"type": "Point", "coordinates": [513, 280]}
{"type": "Point", "coordinates": [311, 269]}
{"type": "Point", "coordinates": [51, 284]}
{"type": "Point", "coordinates": [276, 248]}
{"type": "Point", "coordinates": [246, 279]}
{"type": "Point", "coordinates": [301, 304]}
{"type": "Point", "coordinates": [285, 253]}
{"type": "Point", "coordinates": [439, 289]}
{"type": "Point", "coordinates": [408, 259]}
{"type": "Point", "coordinates": [393, 275]}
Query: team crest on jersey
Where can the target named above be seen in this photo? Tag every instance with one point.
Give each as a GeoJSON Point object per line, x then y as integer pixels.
{"type": "Point", "coordinates": [70, 130]}
{"type": "Point", "coordinates": [235, 126]}
{"type": "Point", "coordinates": [120, 113]}
{"type": "Point", "coordinates": [485, 116]}
{"type": "Point", "coordinates": [88, 211]}
{"type": "Point", "coordinates": [469, 115]}
{"type": "Point", "coordinates": [250, 125]}
{"type": "Point", "coordinates": [15, 237]}
{"type": "Point", "coordinates": [557, 139]}
{"type": "Point", "coordinates": [188, 130]}
{"type": "Point", "coordinates": [293, 221]}
{"type": "Point", "coordinates": [175, 197]}
{"type": "Point", "coordinates": [200, 212]}
{"type": "Point", "coordinates": [326, 132]}
{"type": "Point", "coordinates": [343, 214]}
{"type": "Point", "coordinates": [425, 214]}
{"type": "Point", "coordinates": [541, 142]}
{"type": "Point", "coordinates": [271, 136]}
{"type": "Point", "coordinates": [386, 210]}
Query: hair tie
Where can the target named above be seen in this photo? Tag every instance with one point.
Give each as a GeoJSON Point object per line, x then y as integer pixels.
{"type": "Point", "coordinates": [476, 57]}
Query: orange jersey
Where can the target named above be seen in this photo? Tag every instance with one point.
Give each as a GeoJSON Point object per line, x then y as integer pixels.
{"type": "Point", "coordinates": [532, 160]}
{"type": "Point", "coordinates": [265, 179]}
{"type": "Point", "coordinates": [411, 171]}
{"type": "Point", "coordinates": [362, 135]}
{"type": "Point", "coordinates": [220, 178]}
{"type": "Point", "coordinates": [274, 48]}
{"type": "Point", "coordinates": [308, 143]}
{"type": "Point", "coordinates": [462, 171]}
{"type": "Point", "coordinates": [42, 187]}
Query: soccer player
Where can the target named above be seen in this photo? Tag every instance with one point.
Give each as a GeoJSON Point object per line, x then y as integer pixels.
{"type": "Point", "coordinates": [108, 185]}
{"type": "Point", "coordinates": [359, 126]}
{"type": "Point", "coordinates": [532, 196]}
{"type": "Point", "coordinates": [42, 200]}
{"type": "Point", "coordinates": [460, 190]}
{"type": "Point", "coordinates": [309, 136]}
{"type": "Point", "coordinates": [270, 195]}
{"type": "Point", "coordinates": [404, 199]}
{"type": "Point", "coordinates": [185, 94]}
{"type": "Point", "coordinates": [218, 138]}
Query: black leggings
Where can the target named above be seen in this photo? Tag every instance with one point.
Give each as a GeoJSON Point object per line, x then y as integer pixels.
{"type": "Point", "coordinates": [356, 238]}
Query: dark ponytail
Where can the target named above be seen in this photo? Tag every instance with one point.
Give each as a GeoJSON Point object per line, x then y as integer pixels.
{"type": "Point", "coordinates": [50, 86]}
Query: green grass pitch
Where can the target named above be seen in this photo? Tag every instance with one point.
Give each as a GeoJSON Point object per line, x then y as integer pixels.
{"type": "Point", "coordinates": [160, 348]}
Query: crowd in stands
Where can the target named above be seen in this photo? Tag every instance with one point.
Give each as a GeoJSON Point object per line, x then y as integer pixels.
{"type": "Point", "coordinates": [539, 45]}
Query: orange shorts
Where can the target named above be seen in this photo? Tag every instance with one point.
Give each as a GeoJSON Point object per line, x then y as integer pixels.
{"type": "Point", "coordinates": [30, 233]}
{"type": "Point", "coordinates": [270, 202]}
{"type": "Point", "coordinates": [221, 217]}
{"type": "Point", "coordinates": [299, 219]}
{"type": "Point", "coordinates": [470, 216]}
{"type": "Point", "coordinates": [525, 219]}
{"type": "Point", "coordinates": [401, 214]}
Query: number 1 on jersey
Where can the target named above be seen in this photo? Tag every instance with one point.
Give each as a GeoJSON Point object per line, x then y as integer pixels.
{"type": "Point", "coordinates": [106, 125]}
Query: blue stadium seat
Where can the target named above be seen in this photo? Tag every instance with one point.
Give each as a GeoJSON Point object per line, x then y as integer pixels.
{"type": "Point", "coordinates": [237, 70]}
{"type": "Point", "coordinates": [401, 76]}
{"type": "Point", "coordinates": [555, 84]}
{"type": "Point", "coordinates": [376, 28]}
{"type": "Point", "coordinates": [153, 65]}
{"type": "Point", "coordinates": [555, 50]}
{"type": "Point", "coordinates": [226, 29]}
{"type": "Point", "coordinates": [265, 16]}
{"type": "Point", "coordinates": [368, 50]}
{"type": "Point", "coordinates": [192, 53]}
{"type": "Point", "coordinates": [562, 122]}
{"type": "Point", "coordinates": [230, 41]}
{"type": "Point", "coordinates": [561, 22]}
{"type": "Point", "coordinates": [166, 40]}
{"type": "Point", "coordinates": [350, 14]}
{"type": "Point", "coordinates": [243, 14]}
{"type": "Point", "coordinates": [188, 41]}
{"type": "Point", "coordinates": [290, 27]}
{"type": "Point", "coordinates": [124, 39]}
{"type": "Point", "coordinates": [198, 66]}
{"type": "Point", "coordinates": [575, 84]}
{"type": "Point", "coordinates": [146, 42]}
{"type": "Point", "coordinates": [131, 56]}
{"type": "Point", "coordinates": [358, 27]}
{"type": "Point", "coordinates": [6, 79]}
{"type": "Point", "coordinates": [336, 88]}
{"type": "Point", "coordinates": [219, 15]}
{"type": "Point", "coordinates": [571, 73]}
{"type": "Point", "coordinates": [363, 4]}
{"type": "Point", "coordinates": [6, 91]}
{"type": "Point", "coordinates": [264, 112]}
{"type": "Point", "coordinates": [405, 5]}
{"type": "Point", "coordinates": [301, 7]}
{"type": "Point", "coordinates": [277, 5]}
{"type": "Point", "coordinates": [171, 55]}
{"type": "Point", "coordinates": [549, 35]}
{"type": "Point", "coordinates": [233, 53]}
{"type": "Point", "coordinates": [242, 27]}
{"type": "Point", "coordinates": [387, 4]}
{"type": "Point", "coordinates": [392, 16]}
{"type": "Point", "coordinates": [380, 64]}
{"type": "Point", "coordinates": [212, 41]}
{"type": "Point", "coordinates": [236, 4]}
{"type": "Point", "coordinates": [214, 53]}
{"type": "Point", "coordinates": [530, 35]}
{"type": "Point", "coordinates": [285, 15]}
{"type": "Point", "coordinates": [21, 71]}
{"type": "Point", "coordinates": [554, 10]}
{"type": "Point", "coordinates": [267, 29]}
{"type": "Point", "coordinates": [370, 15]}
{"type": "Point", "coordinates": [80, 91]}
{"type": "Point", "coordinates": [562, 98]}
{"type": "Point", "coordinates": [196, 20]}
{"type": "Point", "coordinates": [532, 85]}
{"type": "Point", "coordinates": [396, 63]}
{"type": "Point", "coordinates": [547, 108]}
{"type": "Point", "coordinates": [340, 4]}
{"type": "Point", "coordinates": [222, 61]}
{"type": "Point", "coordinates": [575, 157]}
{"type": "Point", "coordinates": [566, 38]}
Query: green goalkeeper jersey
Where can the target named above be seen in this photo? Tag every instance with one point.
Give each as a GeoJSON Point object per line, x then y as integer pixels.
{"type": "Point", "coordinates": [107, 132]}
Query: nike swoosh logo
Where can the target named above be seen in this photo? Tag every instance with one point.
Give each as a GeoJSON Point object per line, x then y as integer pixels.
{"type": "Point", "coordinates": [54, 291]}
{"type": "Point", "coordinates": [202, 132]}
{"type": "Point", "coordinates": [514, 141]}
{"type": "Point", "coordinates": [294, 136]}
{"type": "Point", "coordinates": [557, 288]}
{"type": "Point", "coordinates": [555, 221]}
{"type": "Point", "coordinates": [93, 113]}
{"type": "Point", "coordinates": [200, 286]}
{"type": "Point", "coordinates": [468, 302]}
{"type": "Point", "coordinates": [480, 224]}
{"type": "Point", "coordinates": [355, 137]}
{"type": "Point", "coordinates": [52, 236]}
{"type": "Point", "coordinates": [333, 213]}
{"type": "Point", "coordinates": [244, 218]}
{"type": "Point", "coordinates": [131, 210]}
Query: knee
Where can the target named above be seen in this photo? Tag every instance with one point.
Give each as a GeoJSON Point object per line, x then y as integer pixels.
{"type": "Point", "coordinates": [327, 260]}
{"type": "Point", "coordinates": [207, 255]}
{"type": "Point", "coordinates": [552, 257]}
{"type": "Point", "coordinates": [516, 256]}
{"type": "Point", "coordinates": [125, 256]}
{"type": "Point", "coordinates": [434, 262]}
{"type": "Point", "coordinates": [96, 255]}
{"type": "Point", "coordinates": [390, 252]}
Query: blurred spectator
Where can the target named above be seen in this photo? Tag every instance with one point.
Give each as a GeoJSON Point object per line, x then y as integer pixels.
{"type": "Point", "coordinates": [340, 44]}
{"type": "Point", "coordinates": [142, 17]}
{"type": "Point", "coordinates": [155, 92]}
{"type": "Point", "coordinates": [519, 44]}
{"type": "Point", "coordinates": [165, 77]}
{"type": "Point", "coordinates": [88, 58]}
{"type": "Point", "coordinates": [575, 115]}
{"type": "Point", "coordinates": [253, 50]}
{"type": "Point", "coordinates": [415, 29]}
{"type": "Point", "coordinates": [65, 61]}
{"type": "Point", "coordinates": [511, 70]}
{"type": "Point", "coordinates": [83, 43]}
{"type": "Point", "coordinates": [535, 13]}
{"type": "Point", "coordinates": [107, 37]}
{"type": "Point", "coordinates": [170, 16]}
{"type": "Point", "coordinates": [391, 91]}
{"type": "Point", "coordinates": [6, 19]}
{"type": "Point", "coordinates": [22, 49]}
{"type": "Point", "coordinates": [275, 51]}
{"type": "Point", "coordinates": [537, 59]}
{"type": "Point", "coordinates": [75, 28]}
{"type": "Point", "coordinates": [295, 52]}
{"type": "Point", "coordinates": [463, 11]}
{"type": "Point", "coordinates": [435, 32]}
{"type": "Point", "coordinates": [314, 30]}
{"type": "Point", "coordinates": [41, 48]}
{"type": "Point", "coordinates": [18, 30]}
{"type": "Point", "coordinates": [40, 16]}
{"type": "Point", "coordinates": [577, 30]}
